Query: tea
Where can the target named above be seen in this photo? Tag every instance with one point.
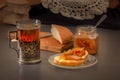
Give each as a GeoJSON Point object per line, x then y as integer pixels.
{"type": "Point", "coordinates": [27, 38]}
{"type": "Point", "coordinates": [29, 44]}
{"type": "Point", "coordinates": [28, 35]}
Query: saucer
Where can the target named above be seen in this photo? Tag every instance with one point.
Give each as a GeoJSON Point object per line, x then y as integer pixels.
{"type": "Point", "coordinates": [90, 61]}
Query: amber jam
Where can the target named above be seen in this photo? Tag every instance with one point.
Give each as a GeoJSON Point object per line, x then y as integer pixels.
{"type": "Point", "coordinates": [87, 37]}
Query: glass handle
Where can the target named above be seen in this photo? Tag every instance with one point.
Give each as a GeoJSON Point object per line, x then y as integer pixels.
{"type": "Point", "coordinates": [13, 40]}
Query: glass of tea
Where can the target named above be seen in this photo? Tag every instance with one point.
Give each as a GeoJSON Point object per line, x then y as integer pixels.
{"type": "Point", "coordinates": [86, 36]}
{"type": "Point", "coordinates": [27, 38]}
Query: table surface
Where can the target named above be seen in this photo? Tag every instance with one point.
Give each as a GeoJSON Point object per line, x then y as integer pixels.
{"type": "Point", "coordinates": [107, 68]}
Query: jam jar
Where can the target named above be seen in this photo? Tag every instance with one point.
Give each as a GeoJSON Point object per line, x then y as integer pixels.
{"type": "Point", "coordinates": [86, 36]}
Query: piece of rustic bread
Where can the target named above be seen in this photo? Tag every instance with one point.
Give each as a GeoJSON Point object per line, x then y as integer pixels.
{"type": "Point", "coordinates": [74, 57]}
{"type": "Point", "coordinates": [61, 33]}
{"type": "Point", "coordinates": [51, 44]}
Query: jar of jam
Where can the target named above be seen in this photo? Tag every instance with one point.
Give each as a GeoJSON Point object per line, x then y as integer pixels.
{"type": "Point", "coordinates": [86, 36]}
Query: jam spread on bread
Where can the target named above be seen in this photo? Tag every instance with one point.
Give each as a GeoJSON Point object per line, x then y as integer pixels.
{"type": "Point", "coordinates": [74, 57]}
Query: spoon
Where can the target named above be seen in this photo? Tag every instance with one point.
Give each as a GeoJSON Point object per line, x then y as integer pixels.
{"type": "Point", "coordinates": [101, 20]}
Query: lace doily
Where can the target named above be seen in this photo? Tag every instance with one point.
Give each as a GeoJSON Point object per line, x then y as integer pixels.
{"type": "Point", "coordinates": [77, 9]}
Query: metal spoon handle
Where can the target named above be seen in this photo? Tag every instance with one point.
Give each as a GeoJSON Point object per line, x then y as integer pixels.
{"type": "Point", "coordinates": [101, 20]}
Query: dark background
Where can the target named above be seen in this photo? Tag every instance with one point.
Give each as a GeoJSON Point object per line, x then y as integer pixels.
{"type": "Point", "coordinates": [47, 17]}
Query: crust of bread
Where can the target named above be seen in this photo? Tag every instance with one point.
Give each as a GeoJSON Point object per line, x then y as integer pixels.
{"type": "Point", "coordinates": [51, 44]}
{"type": "Point", "coordinates": [61, 33]}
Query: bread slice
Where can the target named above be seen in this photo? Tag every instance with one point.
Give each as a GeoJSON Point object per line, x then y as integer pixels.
{"type": "Point", "coordinates": [51, 44]}
{"type": "Point", "coordinates": [63, 62]}
{"type": "Point", "coordinates": [61, 33]}
{"type": "Point", "coordinates": [74, 57]}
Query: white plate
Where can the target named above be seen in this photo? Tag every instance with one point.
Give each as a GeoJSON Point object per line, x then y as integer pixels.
{"type": "Point", "coordinates": [90, 61]}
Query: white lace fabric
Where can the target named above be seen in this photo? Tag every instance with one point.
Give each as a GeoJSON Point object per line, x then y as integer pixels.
{"type": "Point", "coordinates": [77, 9]}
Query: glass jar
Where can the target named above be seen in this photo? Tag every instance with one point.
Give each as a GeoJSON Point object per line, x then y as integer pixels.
{"type": "Point", "coordinates": [86, 36]}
